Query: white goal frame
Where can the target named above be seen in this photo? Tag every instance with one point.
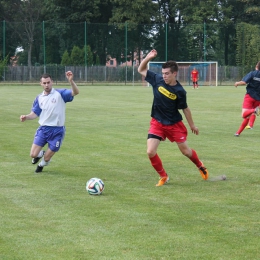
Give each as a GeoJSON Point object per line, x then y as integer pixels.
{"type": "Point", "coordinates": [208, 71]}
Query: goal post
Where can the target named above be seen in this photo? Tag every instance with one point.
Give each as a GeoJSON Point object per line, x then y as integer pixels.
{"type": "Point", "coordinates": [208, 71]}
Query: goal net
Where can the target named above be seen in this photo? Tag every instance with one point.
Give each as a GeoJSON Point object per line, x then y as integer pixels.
{"type": "Point", "coordinates": [208, 71]}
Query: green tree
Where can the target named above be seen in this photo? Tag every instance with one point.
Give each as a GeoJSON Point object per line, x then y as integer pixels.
{"type": "Point", "coordinates": [132, 19]}
{"type": "Point", "coordinates": [132, 12]}
{"type": "Point", "coordinates": [248, 48]}
{"type": "Point", "coordinates": [65, 60]}
{"type": "Point", "coordinates": [97, 61]}
{"type": "Point", "coordinates": [75, 13]}
{"type": "Point", "coordinates": [250, 11]}
{"type": "Point", "coordinates": [3, 64]}
{"type": "Point", "coordinates": [89, 54]}
{"type": "Point", "coordinates": [26, 29]}
{"type": "Point", "coordinates": [77, 56]}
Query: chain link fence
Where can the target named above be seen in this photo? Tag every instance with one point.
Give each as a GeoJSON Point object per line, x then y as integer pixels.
{"type": "Point", "coordinates": [95, 75]}
{"type": "Point", "coordinates": [108, 53]}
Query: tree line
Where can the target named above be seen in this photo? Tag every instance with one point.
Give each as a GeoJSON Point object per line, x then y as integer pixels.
{"type": "Point", "coordinates": [90, 32]}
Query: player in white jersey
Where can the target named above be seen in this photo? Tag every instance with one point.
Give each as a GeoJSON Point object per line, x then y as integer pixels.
{"type": "Point", "coordinates": [49, 106]}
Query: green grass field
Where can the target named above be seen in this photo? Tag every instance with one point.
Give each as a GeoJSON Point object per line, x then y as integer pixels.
{"type": "Point", "coordinates": [51, 216]}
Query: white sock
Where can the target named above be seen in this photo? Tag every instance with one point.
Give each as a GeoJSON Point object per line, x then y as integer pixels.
{"type": "Point", "coordinates": [40, 154]}
{"type": "Point", "coordinates": [43, 163]}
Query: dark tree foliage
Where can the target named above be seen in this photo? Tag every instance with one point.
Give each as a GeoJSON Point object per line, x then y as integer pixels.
{"type": "Point", "coordinates": [183, 30]}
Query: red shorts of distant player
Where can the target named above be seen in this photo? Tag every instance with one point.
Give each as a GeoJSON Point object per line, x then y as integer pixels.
{"type": "Point", "coordinates": [194, 79]}
{"type": "Point", "coordinates": [249, 102]}
{"type": "Point", "coordinates": [175, 133]}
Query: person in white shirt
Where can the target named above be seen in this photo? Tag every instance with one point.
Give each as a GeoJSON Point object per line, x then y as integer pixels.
{"type": "Point", "coordinates": [49, 106]}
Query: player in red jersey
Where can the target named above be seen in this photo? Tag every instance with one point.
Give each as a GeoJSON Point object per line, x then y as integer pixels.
{"type": "Point", "coordinates": [195, 77]}
{"type": "Point", "coordinates": [166, 122]}
{"type": "Point", "coordinates": [251, 101]}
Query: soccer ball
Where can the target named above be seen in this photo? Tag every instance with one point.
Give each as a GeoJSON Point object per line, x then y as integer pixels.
{"type": "Point", "coordinates": [95, 186]}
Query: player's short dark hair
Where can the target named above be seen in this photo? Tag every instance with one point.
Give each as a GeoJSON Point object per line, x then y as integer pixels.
{"type": "Point", "coordinates": [258, 65]}
{"type": "Point", "coordinates": [45, 76]}
{"type": "Point", "coordinates": [170, 64]}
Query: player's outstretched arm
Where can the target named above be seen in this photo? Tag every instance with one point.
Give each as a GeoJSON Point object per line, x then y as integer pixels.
{"type": "Point", "coordinates": [74, 87]}
{"type": "Point", "coordinates": [30, 116]}
{"type": "Point", "coordinates": [142, 69]}
{"type": "Point", "coordinates": [240, 83]}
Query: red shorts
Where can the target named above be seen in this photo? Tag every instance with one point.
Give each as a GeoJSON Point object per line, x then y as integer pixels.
{"type": "Point", "coordinates": [194, 79]}
{"type": "Point", "coordinates": [249, 102]}
{"type": "Point", "coordinates": [175, 133]}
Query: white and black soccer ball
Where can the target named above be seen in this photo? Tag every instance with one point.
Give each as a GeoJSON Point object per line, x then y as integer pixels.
{"type": "Point", "coordinates": [95, 186]}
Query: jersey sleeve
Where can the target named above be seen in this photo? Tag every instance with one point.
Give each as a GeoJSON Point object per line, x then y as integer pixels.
{"type": "Point", "coordinates": [152, 77]}
{"type": "Point", "coordinates": [247, 77]}
{"type": "Point", "coordinates": [66, 94]}
{"type": "Point", "coordinates": [36, 107]}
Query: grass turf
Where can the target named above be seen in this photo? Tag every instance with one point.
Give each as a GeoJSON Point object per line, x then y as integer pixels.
{"type": "Point", "coordinates": [51, 216]}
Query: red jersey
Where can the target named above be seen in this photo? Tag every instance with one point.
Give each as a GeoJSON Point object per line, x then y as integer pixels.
{"type": "Point", "coordinates": [194, 75]}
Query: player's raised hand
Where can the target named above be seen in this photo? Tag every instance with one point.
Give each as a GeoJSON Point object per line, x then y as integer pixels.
{"type": "Point", "coordinates": [152, 54]}
{"type": "Point", "coordinates": [69, 75]}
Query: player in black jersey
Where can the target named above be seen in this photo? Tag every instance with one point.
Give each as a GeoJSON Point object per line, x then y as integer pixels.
{"type": "Point", "coordinates": [166, 122]}
{"type": "Point", "coordinates": [251, 102]}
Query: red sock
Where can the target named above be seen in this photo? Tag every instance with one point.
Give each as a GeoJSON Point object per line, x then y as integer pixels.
{"type": "Point", "coordinates": [195, 159]}
{"type": "Point", "coordinates": [243, 125]}
{"type": "Point", "coordinates": [252, 120]}
{"type": "Point", "coordinates": [157, 165]}
{"type": "Point", "coordinates": [248, 113]}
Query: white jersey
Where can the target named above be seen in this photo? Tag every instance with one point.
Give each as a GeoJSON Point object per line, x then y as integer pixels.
{"type": "Point", "coordinates": [51, 108]}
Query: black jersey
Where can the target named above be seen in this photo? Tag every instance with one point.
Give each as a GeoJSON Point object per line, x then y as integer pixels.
{"type": "Point", "coordinates": [167, 99]}
{"type": "Point", "coordinates": [253, 84]}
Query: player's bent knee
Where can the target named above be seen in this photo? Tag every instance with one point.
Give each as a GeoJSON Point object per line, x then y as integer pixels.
{"type": "Point", "coordinates": [151, 154]}
{"type": "Point", "coordinates": [33, 154]}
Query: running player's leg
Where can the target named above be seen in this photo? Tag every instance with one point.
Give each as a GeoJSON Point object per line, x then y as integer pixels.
{"type": "Point", "coordinates": [55, 138]}
{"type": "Point", "coordinates": [36, 151]}
{"type": "Point", "coordinates": [38, 143]}
{"type": "Point", "coordinates": [249, 107]}
{"type": "Point", "coordinates": [152, 145]}
{"type": "Point", "coordinates": [155, 136]}
{"type": "Point", "coordinates": [45, 160]}
{"type": "Point", "coordinates": [192, 155]}
{"type": "Point", "coordinates": [252, 121]}
{"type": "Point", "coordinates": [197, 86]}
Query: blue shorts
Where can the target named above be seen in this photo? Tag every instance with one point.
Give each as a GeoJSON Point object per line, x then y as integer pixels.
{"type": "Point", "coordinates": [53, 135]}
